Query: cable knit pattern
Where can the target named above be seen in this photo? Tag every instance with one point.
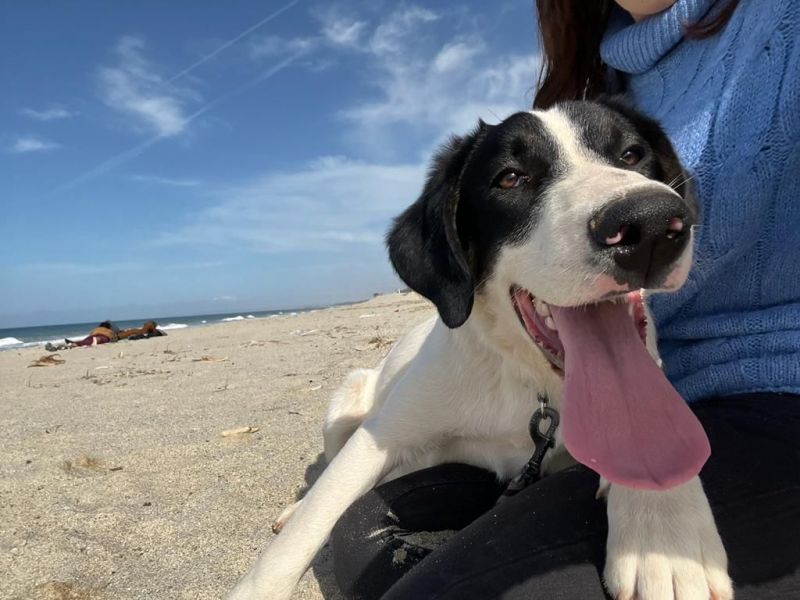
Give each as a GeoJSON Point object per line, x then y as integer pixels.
{"type": "Point", "coordinates": [731, 106]}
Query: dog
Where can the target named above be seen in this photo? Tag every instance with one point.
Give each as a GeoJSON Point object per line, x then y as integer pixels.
{"type": "Point", "coordinates": [535, 239]}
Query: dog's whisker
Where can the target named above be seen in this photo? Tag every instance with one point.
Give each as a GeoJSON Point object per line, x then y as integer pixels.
{"type": "Point", "coordinates": [676, 183]}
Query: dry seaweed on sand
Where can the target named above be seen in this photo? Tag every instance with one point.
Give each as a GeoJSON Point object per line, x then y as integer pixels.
{"type": "Point", "coordinates": [210, 359]}
{"type": "Point", "coordinates": [83, 464]}
{"type": "Point", "coordinates": [239, 431]}
{"type": "Point", "coordinates": [48, 360]}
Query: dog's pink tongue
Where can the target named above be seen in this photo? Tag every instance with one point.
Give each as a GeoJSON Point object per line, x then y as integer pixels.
{"type": "Point", "coordinates": [621, 417]}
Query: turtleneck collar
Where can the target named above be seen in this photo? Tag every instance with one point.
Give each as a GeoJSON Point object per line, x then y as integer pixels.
{"type": "Point", "coordinates": [636, 47]}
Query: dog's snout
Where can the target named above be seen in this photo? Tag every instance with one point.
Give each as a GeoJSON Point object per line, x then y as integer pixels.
{"type": "Point", "coordinates": [643, 234]}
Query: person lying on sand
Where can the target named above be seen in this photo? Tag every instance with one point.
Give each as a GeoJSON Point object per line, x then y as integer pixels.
{"type": "Point", "coordinates": [104, 333]}
{"type": "Point", "coordinates": [148, 330]}
{"type": "Point", "coordinates": [107, 332]}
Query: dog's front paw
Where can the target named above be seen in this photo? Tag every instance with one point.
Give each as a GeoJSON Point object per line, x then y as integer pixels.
{"type": "Point", "coordinates": [664, 546]}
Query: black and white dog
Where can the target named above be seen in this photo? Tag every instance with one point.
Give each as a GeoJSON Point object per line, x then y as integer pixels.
{"type": "Point", "coordinates": [534, 238]}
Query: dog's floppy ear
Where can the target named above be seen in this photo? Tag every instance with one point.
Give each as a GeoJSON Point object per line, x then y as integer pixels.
{"type": "Point", "coordinates": [671, 170]}
{"type": "Point", "coordinates": [424, 244]}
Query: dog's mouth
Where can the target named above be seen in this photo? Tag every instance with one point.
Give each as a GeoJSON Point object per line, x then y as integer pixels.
{"type": "Point", "coordinates": [536, 317]}
{"type": "Point", "coordinates": [621, 416]}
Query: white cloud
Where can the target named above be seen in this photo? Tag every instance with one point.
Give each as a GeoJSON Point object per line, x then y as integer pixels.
{"type": "Point", "coordinates": [434, 89]}
{"type": "Point", "coordinates": [166, 181]}
{"type": "Point", "coordinates": [344, 204]}
{"type": "Point", "coordinates": [31, 143]}
{"type": "Point", "coordinates": [338, 29]}
{"type": "Point", "coordinates": [49, 114]}
{"type": "Point", "coordinates": [134, 88]}
{"type": "Point", "coordinates": [392, 35]}
{"type": "Point", "coordinates": [343, 32]}
{"type": "Point", "coordinates": [332, 203]}
{"type": "Point", "coordinates": [457, 55]}
{"type": "Point", "coordinates": [269, 46]}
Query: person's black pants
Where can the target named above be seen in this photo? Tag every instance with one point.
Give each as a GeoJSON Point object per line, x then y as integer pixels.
{"type": "Point", "coordinates": [548, 542]}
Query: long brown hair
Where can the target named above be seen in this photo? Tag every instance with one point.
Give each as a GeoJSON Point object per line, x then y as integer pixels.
{"type": "Point", "coordinates": [571, 32]}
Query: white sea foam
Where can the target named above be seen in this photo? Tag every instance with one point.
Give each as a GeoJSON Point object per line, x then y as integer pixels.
{"type": "Point", "coordinates": [169, 326]}
{"type": "Point", "coordinates": [236, 318]}
{"type": "Point", "coordinates": [9, 341]}
{"type": "Point", "coordinates": [250, 317]}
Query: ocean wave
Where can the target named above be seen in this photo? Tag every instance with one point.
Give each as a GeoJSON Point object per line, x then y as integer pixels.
{"type": "Point", "coordinates": [169, 326]}
{"type": "Point", "coordinates": [10, 341]}
{"type": "Point", "coordinates": [236, 318]}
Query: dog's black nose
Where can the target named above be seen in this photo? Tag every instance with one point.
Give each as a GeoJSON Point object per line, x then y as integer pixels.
{"type": "Point", "coordinates": [644, 233]}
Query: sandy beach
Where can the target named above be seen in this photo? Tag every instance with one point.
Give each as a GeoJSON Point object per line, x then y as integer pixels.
{"type": "Point", "coordinates": [116, 479]}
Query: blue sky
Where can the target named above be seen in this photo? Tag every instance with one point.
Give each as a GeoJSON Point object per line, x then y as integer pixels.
{"type": "Point", "coordinates": [167, 158]}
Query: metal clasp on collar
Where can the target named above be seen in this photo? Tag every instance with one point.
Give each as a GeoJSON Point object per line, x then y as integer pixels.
{"type": "Point", "coordinates": [542, 442]}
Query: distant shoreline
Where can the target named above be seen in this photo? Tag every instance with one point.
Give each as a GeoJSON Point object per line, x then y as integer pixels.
{"type": "Point", "coordinates": [15, 338]}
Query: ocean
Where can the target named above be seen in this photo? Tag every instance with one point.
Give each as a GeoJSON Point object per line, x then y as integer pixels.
{"type": "Point", "coordinates": [23, 337]}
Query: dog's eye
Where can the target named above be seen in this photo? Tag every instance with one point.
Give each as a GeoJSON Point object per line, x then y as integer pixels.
{"type": "Point", "coordinates": [632, 155]}
{"type": "Point", "coordinates": [511, 179]}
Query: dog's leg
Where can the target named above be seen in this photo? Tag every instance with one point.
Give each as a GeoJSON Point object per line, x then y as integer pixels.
{"type": "Point", "coordinates": [355, 470]}
{"type": "Point", "coordinates": [664, 545]}
{"type": "Point", "coordinates": [348, 409]}
{"type": "Point", "coordinates": [283, 518]}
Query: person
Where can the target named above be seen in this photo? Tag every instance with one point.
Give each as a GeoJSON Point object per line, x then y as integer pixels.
{"type": "Point", "coordinates": [104, 333]}
{"type": "Point", "coordinates": [107, 332]}
{"type": "Point", "coordinates": [723, 79]}
{"type": "Point", "coordinates": [148, 330]}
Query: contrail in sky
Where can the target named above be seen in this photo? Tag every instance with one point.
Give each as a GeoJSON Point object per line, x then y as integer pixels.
{"type": "Point", "coordinates": [136, 150]}
{"type": "Point", "coordinates": [131, 153]}
{"type": "Point", "coordinates": [232, 41]}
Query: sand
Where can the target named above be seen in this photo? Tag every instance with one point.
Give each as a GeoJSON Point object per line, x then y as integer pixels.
{"type": "Point", "coordinates": [116, 482]}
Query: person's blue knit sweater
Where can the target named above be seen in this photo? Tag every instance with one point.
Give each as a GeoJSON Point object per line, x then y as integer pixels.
{"type": "Point", "coordinates": [731, 106]}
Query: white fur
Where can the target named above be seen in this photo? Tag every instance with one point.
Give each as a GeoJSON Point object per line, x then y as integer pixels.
{"type": "Point", "coordinates": [555, 261]}
{"type": "Point", "coordinates": [466, 395]}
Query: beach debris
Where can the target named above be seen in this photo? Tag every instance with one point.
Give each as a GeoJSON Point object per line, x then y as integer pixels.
{"type": "Point", "coordinates": [64, 590]}
{"type": "Point", "coordinates": [399, 556]}
{"type": "Point", "coordinates": [379, 341]}
{"type": "Point", "coordinates": [428, 539]}
{"type": "Point", "coordinates": [368, 316]}
{"type": "Point", "coordinates": [238, 431]}
{"type": "Point", "coordinates": [83, 464]}
{"type": "Point", "coordinates": [303, 332]}
{"type": "Point", "coordinates": [48, 360]}
{"type": "Point", "coordinates": [315, 388]}
{"type": "Point", "coordinates": [375, 342]}
{"type": "Point", "coordinates": [210, 359]}
{"type": "Point", "coordinates": [103, 367]}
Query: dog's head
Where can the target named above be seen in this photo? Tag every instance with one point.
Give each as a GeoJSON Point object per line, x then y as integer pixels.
{"type": "Point", "coordinates": [576, 205]}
